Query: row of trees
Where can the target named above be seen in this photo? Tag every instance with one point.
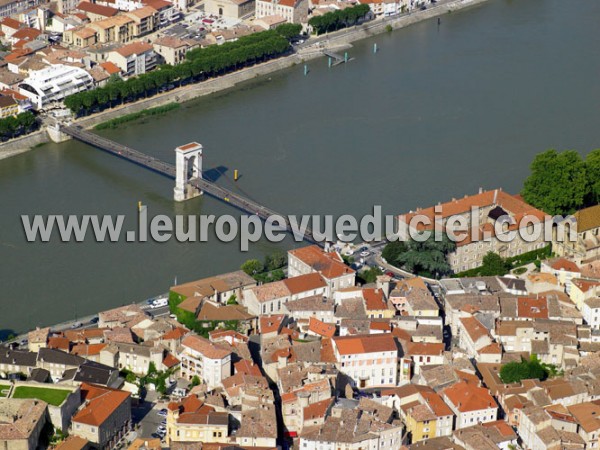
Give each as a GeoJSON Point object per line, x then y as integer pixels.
{"type": "Point", "coordinates": [339, 19]}
{"type": "Point", "coordinates": [200, 64]}
{"type": "Point", "coordinates": [14, 126]}
{"type": "Point", "coordinates": [561, 183]}
{"type": "Point", "coordinates": [270, 270]}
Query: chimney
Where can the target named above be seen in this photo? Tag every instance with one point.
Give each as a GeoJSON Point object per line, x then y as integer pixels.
{"type": "Point", "coordinates": [481, 190]}
{"type": "Point", "coordinates": [495, 196]}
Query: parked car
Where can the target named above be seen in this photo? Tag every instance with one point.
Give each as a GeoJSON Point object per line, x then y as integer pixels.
{"type": "Point", "coordinates": [162, 412]}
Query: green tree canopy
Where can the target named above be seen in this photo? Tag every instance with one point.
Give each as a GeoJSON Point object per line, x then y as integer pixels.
{"type": "Point", "coordinates": [289, 30]}
{"type": "Point", "coordinates": [558, 183]}
{"type": "Point", "coordinates": [514, 372]}
{"type": "Point", "coordinates": [392, 251]}
{"type": "Point", "coordinates": [252, 267]}
{"type": "Point", "coordinates": [429, 257]}
{"type": "Point", "coordinates": [275, 260]}
{"type": "Point", "coordinates": [370, 275]}
{"type": "Point", "coordinates": [592, 169]}
{"type": "Point", "coordinates": [494, 264]}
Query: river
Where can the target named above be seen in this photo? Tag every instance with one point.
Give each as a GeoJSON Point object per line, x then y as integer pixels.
{"type": "Point", "coordinates": [437, 113]}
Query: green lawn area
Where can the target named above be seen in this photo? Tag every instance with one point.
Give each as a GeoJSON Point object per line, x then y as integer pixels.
{"type": "Point", "coordinates": [51, 396]}
{"type": "Point", "coordinates": [4, 387]}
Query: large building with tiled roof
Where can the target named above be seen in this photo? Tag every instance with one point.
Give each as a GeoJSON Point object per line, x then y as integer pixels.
{"type": "Point", "coordinates": [584, 226]}
{"type": "Point", "coordinates": [472, 404]}
{"type": "Point", "coordinates": [105, 416]}
{"type": "Point", "coordinates": [369, 360]}
{"type": "Point", "coordinates": [482, 213]}
{"type": "Point", "coordinates": [272, 298]}
{"type": "Point", "coordinates": [191, 420]}
{"type": "Point", "coordinates": [330, 265]}
{"type": "Point", "coordinates": [200, 357]}
{"type": "Point", "coordinates": [21, 423]}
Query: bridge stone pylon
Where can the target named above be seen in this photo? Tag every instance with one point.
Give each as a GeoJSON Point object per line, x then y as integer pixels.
{"type": "Point", "coordinates": [188, 166]}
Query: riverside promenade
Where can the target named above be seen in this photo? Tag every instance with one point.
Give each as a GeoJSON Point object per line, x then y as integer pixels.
{"type": "Point", "coordinates": [336, 41]}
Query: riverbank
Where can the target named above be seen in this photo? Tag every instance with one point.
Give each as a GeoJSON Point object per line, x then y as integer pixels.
{"type": "Point", "coordinates": [338, 40]}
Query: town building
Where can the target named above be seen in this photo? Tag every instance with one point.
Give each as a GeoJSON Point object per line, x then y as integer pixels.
{"type": "Point", "coordinates": [472, 404]}
{"type": "Point", "coordinates": [191, 420]}
{"type": "Point", "coordinates": [235, 9]}
{"type": "Point", "coordinates": [578, 235]}
{"type": "Point", "coordinates": [105, 416]}
{"type": "Point", "coordinates": [293, 11]}
{"type": "Point", "coordinates": [200, 357]}
{"type": "Point", "coordinates": [490, 221]}
{"type": "Point", "coordinates": [134, 59]}
{"type": "Point", "coordinates": [21, 423]}
{"type": "Point", "coordinates": [368, 360]}
{"type": "Point", "coordinates": [329, 265]}
{"type": "Point", "coordinates": [54, 83]}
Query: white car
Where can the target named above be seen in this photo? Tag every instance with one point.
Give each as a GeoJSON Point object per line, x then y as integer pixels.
{"type": "Point", "coordinates": [365, 254]}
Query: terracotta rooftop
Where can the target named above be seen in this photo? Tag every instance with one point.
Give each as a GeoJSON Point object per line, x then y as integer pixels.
{"type": "Point", "coordinates": [321, 328]}
{"type": "Point", "coordinates": [328, 264]}
{"type": "Point", "coordinates": [99, 10]}
{"type": "Point", "coordinates": [372, 343]}
{"type": "Point", "coordinates": [100, 404]}
{"type": "Point", "coordinates": [469, 397]}
{"type": "Point", "coordinates": [204, 346]}
{"type": "Point", "coordinates": [588, 218]}
{"type": "Point", "coordinates": [304, 283]}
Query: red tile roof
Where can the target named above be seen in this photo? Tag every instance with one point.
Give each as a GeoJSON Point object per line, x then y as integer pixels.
{"type": "Point", "coordinates": [11, 23]}
{"type": "Point", "coordinates": [321, 328]}
{"type": "Point", "coordinates": [85, 350]}
{"type": "Point", "coordinates": [304, 283]}
{"type": "Point", "coordinates": [170, 361]}
{"type": "Point", "coordinates": [110, 68]}
{"type": "Point", "coordinates": [204, 346]}
{"type": "Point", "coordinates": [101, 403]}
{"type": "Point", "coordinates": [135, 48]}
{"type": "Point", "coordinates": [474, 328]}
{"type": "Point", "coordinates": [61, 343]}
{"type": "Point", "coordinates": [99, 10]}
{"type": "Point", "coordinates": [564, 264]}
{"type": "Point", "coordinates": [247, 368]}
{"type": "Point", "coordinates": [532, 308]}
{"type": "Point", "coordinates": [374, 299]}
{"type": "Point", "coordinates": [328, 264]}
{"type": "Point", "coordinates": [469, 397]}
{"type": "Point", "coordinates": [270, 324]}
{"type": "Point", "coordinates": [174, 334]}
{"type": "Point", "coordinates": [369, 343]}
{"type": "Point", "coordinates": [317, 410]}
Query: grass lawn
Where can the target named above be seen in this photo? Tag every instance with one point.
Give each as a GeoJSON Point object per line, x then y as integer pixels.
{"type": "Point", "coordinates": [4, 387]}
{"type": "Point", "coordinates": [51, 396]}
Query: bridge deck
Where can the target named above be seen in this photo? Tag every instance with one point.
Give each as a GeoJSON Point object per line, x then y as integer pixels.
{"type": "Point", "coordinates": [163, 168]}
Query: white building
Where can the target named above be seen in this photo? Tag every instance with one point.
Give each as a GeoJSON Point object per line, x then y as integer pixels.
{"type": "Point", "coordinates": [54, 83]}
{"type": "Point", "coordinates": [471, 404]}
{"type": "Point", "coordinates": [200, 357]}
{"type": "Point", "coordinates": [369, 360]}
{"type": "Point", "coordinates": [591, 312]}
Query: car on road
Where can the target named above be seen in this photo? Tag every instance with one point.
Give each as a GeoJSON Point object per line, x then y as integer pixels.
{"type": "Point", "coordinates": [162, 412]}
{"type": "Point", "coordinates": [76, 325]}
{"type": "Point", "coordinates": [389, 273]}
{"type": "Point", "coordinates": [423, 8]}
{"type": "Point", "coordinates": [94, 319]}
{"type": "Point", "coordinates": [363, 249]}
{"type": "Point", "coordinates": [365, 253]}
{"type": "Point", "coordinates": [161, 429]}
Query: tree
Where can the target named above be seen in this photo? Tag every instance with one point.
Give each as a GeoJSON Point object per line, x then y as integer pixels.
{"type": "Point", "coordinates": [275, 260]}
{"type": "Point", "coordinates": [558, 183]}
{"type": "Point", "coordinates": [494, 264]}
{"type": "Point", "coordinates": [370, 275]}
{"type": "Point", "coordinates": [592, 170]}
{"type": "Point", "coordinates": [392, 251]}
{"type": "Point", "coordinates": [514, 372]}
{"type": "Point", "coordinates": [289, 30]}
{"type": "Point", "coordinates": [252, 267]}
{"type": "Point", "coordinates": [429, 257]}
{"type": "Point", "coordinates": [196, 381]}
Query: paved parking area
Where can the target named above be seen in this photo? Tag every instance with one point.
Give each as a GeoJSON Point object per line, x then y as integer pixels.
{"type": "Point", "coordinates": [146, 419]}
